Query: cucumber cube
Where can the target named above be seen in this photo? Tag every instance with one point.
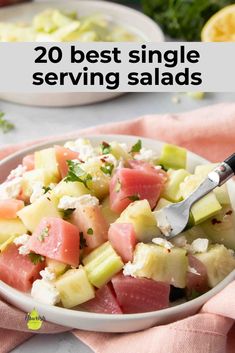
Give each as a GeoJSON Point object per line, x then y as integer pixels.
{"type": "Point", "coordinates": [11, 227]}
{"type": "Point", "coordinates": [99, 185]}
{"type": "Point", "coordinates": [74, 287]}
{"type": "Point", "coordinates": [162, 203]}
{"type": "Point", "coordinates": [206, 207]}
{"type": "Point", "coordinates": [46, 160]}
{"type": "Point", "coordinates": [71, 188]}
{"type": "Point", "coordinates": [160, 264]}
{"type": "Point", "coordinates": [140, 215]}
{"type": "Point", "coordinates": [221, 192]}
{"type": "Point", "coordinates": [109, 215]}
{"type": "Point", "coordinates": [221, 228]}
{"type": "Point", "coordinates": [118, 151]}
{"type": "Point", "coordinates": [30, 178]}
{"type": "Point", "coordinates": [172, 188]}
{"type": "Point", "coordinates": [219, 262]}
{"type": "Point", "coordinates": [102, 264]}
{"type": "Point", "coordinates": [58, 268]}
{"type": "Point", "coordinates": [174, 157]}
{"type": "Point", "coordinates": [44, 207]}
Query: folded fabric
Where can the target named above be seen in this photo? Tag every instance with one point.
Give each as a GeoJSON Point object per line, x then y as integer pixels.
{"type": "Point", "coordinates": [210, 133]}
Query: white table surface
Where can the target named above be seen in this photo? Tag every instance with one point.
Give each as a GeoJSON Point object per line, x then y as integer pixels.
{"type": "Point", "coordinates": [34, 122]}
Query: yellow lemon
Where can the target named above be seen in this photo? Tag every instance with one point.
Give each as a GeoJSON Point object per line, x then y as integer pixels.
{"type": "Point", "coordinates": [221, 26]}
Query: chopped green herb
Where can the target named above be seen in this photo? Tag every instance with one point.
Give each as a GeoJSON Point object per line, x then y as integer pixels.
{"type": "Point", "coordinates": [107, 168]}
{"type": "Point", "coordinates": [118, 186]}
{"type": "Point", "coordinates": [193, 295]}
{"type": "Point", "coordinates": [105, 148]}
{"type": "Point", "coordinates": [90, 231]}
{"type": "Point", "coordinates": [5, 125]}
{"type": "Point", "coordinates": [163, 168]}
{"type": "Point", "coordinates": [133, 197]}
{"type": "Point", "coordinates": [46, 189]}
{"type": "Point", "coordinates": [44, 234]}
{"type": "Point", "coordinates": [83, 243]}
{"type": "Point", "coordinates": [137, 147]}
{"type": "Point", "coordinates": [36, 258]}
{"type": "Point", "coordinates": [67, 213]}
{"type": "Point", "coordinates": [76, 173]}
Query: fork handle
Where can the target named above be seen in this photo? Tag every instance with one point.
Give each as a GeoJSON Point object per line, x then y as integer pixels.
{"type": "Point", "coordinates": [231, 162]}
{"type": "Point", "coordinates": [224, 171]}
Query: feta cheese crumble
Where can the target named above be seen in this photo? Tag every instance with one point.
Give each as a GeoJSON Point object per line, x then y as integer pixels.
{"type": "Point", "coordinates": [37, 191]}
{"type": "Point", "coordinates": [129, 269]}
{"type": "Point", "coordinates": [163, 242]}
{"type": "Point", "coordinates": [24, 250]}
{"type": "Point", "coordinates": [11, 189]}
{"type": "Point", "coordinates": [84, 148]}
{"type": "Point", "coordinates": [17, 172]}
{"type": "Point", "coordinates": [162, 222]}
{"type": "Point", "coordinates": [193, 270]}
{"type": "Point", "coordinates": [199, 245]}
{"type": "Point", "coordinates": [47, 274]}
{"type": "Point", "coordinates": [68, 202]}
{"type": "Point", "coordinates": [21, 240]}
{"type": "Point", "coordinates": [145, 155]}
{"type": "Point", "coordinates": [45, 292]}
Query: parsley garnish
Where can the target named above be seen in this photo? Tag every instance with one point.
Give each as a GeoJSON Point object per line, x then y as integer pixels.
{"type": "Point", "coordinates": [163, 168]}
{"type": "Point", "coordinates": [46, 189]}
{"type": "Point", "coordinates": [36, 258]}
{"type": "Point", "coordinates": [44, 234]}
{"type": "Point", "coordinates": [107, 168]}
{"type": "Point", "coordinates": [5, 125]}
{"type": "Point", "coordinates": [118, 186]}
{"type": "Point", "coordinates": [83, 243]}
{"type": "Point", "coordinates": [193, 295]}
{"type": "Point", "coordinates": [105, 147]}
{"type": "Point", "coordinates": [137, 147]}
{"type": "Point", "coordinates": [90, 231]}
{"type": "Point", "coordinates": [67, 213]}
{"type": "Point", "coordinates": [76, 173]}
{"type": "Point", "coordinates": [133, 197]}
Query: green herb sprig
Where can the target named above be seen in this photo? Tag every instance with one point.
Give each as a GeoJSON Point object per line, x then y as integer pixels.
{"type": "Point", "coordinates": [36, 258]}
{"type": "Point", "coordinates": [136, 147]}
{"type": "Point", "coordinates": [76, 173]}
{"type": "Point", "coordinates": [5, 125]}
{"type": "Point", "coordinates": [107, 168]}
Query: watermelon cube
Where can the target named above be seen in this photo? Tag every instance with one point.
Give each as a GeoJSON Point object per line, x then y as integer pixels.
{"type": "Point", "coordinates": [123, 239]}
{"type": "Point", "coordinates": [196, 279]}
{"type": "Point", "coordinates": [18, 270]}
{"type": "Point", "coordinates": [140, 295]}
{"type": "Point", "coordinates": [56, 239]}
{"type": "Point", "coordinates": [104, 302]}
{"type": "Point", "coordinates": [91, 222]}
{"type": "Point", "coordinates": [128, 185]}
{"type": "Point", "coordinates": [9, 208]}
{"type": "Point", "coordinates": [62, 156]}
{"type": "Point", "coordinates": [28, 162]}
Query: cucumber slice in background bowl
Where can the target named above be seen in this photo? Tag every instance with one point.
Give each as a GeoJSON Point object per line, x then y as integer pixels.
{"type": "Point", "coordinates": [104, 322]}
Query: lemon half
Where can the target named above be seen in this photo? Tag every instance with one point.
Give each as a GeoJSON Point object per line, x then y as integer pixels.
{"type": "Point", "coordinates": [221, 26]}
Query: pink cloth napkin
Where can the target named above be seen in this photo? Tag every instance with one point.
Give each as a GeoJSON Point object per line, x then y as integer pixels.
{"type": "Point", "coordinates": [210, 133]}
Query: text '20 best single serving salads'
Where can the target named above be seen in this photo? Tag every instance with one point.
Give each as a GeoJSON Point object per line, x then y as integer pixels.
{"type": "Point", "coordinates": [80, 227]}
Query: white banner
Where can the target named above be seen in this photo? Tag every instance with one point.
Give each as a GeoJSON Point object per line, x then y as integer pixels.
{"type": "Point", "coordinates": [120, 67]}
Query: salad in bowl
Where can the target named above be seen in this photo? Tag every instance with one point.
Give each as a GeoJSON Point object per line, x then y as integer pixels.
{"type": "Point", "coordinates": [80, 229]}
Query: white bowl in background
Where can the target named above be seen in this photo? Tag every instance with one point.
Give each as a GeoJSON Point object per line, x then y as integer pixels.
{"type": "Point", "coordinates": [137, 22]}
{"type": "Point", "coordinates": [106, 322]}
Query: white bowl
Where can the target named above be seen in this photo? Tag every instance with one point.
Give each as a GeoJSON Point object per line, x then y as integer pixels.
{"type": "Point", "coordinates": [105, 322]}
{"type": "Point", "coordinates": [132, 19]}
